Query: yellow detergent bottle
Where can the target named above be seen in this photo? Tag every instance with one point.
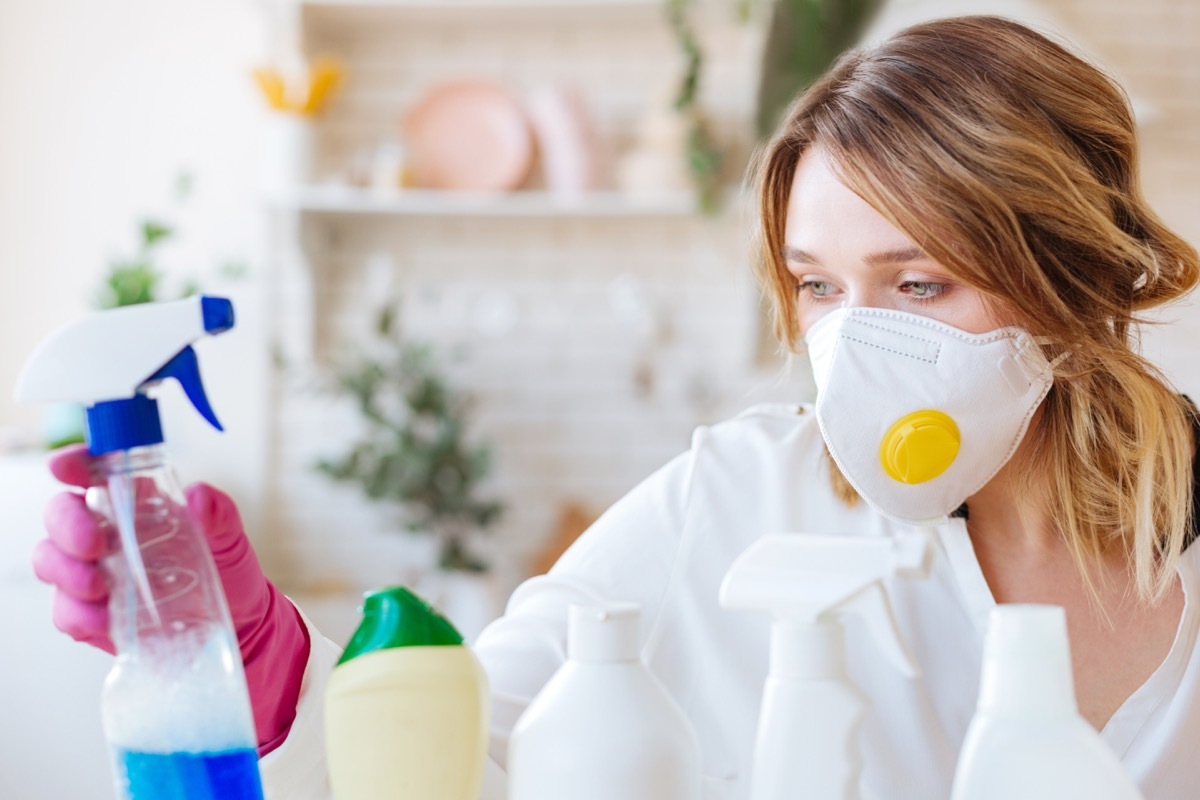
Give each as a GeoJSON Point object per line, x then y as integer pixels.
{"type": "Point", "coordinates": [407, 707]}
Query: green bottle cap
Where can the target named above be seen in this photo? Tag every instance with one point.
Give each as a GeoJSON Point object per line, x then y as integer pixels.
{"type": "Point", "coordinates": [395, 617]}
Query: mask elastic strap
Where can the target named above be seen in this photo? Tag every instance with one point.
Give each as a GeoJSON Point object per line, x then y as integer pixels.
{"type": "Point", "coordinates": [1058, 359]}
{"type": "Point", "coordinates": [1041, 341]}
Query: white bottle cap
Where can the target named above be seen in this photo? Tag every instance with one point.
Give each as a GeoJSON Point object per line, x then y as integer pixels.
{"type": "Point", "coordinates": [604, 632]}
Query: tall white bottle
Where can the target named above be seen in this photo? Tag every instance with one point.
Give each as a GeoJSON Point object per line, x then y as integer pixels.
{"type": "Point", "coordinates": [1027, 739]}
{"type": "Point", "coordinates": [603, 728]}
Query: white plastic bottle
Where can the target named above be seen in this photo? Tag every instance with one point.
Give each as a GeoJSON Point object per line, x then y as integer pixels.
{"type": "Point", "coordinates": [603, 728]}
{"type": "Point", "coordinates": [1027, 739]}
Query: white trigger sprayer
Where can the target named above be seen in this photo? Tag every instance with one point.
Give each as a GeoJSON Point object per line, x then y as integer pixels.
{"type": "Point", "coordinates": [175, 707]}
{"type": "Point", "coordinates": [807, 741]}
{"type": "Point", "coordinates": [107, 361]}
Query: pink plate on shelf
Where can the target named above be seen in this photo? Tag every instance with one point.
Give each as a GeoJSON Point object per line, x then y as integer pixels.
{"type": "Point", "coordinates": [468, 135]}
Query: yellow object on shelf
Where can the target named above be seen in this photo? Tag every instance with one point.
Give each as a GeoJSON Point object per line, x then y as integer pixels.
{"type": "Point", "coordinates": [307, 100]}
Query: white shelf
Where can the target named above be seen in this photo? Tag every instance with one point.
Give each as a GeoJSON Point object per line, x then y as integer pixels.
{"type": "Point", "coordinates": [337, 14]}
{"type": "Point", "coordinates": [504, 5]}
{"type": "Point", "coordinates": [325, 12]}
{"type": "Point", "coordinates": [426, 202]}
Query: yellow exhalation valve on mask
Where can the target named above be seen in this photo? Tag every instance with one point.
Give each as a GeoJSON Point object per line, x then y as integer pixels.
{"type": "Point", "coordinates": [919, 446]}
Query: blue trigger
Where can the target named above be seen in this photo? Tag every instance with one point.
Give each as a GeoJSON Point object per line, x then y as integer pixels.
{"type": "Point", "coordinates": [185, 368]}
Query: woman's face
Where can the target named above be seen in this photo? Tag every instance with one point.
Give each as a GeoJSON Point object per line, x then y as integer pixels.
{"type": "Point", "coordinates": [843, 253]}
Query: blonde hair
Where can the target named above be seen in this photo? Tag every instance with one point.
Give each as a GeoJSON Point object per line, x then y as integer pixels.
{"type": "Point", "coordinates": [1013, 163]}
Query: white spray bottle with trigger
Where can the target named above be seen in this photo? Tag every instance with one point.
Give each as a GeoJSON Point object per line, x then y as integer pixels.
{"type": "Point", "coordinates": [807, 741]}
{"type": "Point", "coordinates": [175, 706]}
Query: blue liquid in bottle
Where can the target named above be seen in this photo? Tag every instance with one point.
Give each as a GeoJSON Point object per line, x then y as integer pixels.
{"type": "Point", "coordinates": [226, 775]}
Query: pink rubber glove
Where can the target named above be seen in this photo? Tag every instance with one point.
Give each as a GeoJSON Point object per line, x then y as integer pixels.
{"type": "Point", "coordinates": [273, 639]}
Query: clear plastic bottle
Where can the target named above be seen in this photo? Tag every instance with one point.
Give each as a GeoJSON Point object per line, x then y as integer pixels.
{"type": "Point", "coordinates": [175, 706]}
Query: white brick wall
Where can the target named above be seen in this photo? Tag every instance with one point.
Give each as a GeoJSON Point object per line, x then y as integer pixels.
{"type": "Point", "coordinates": [600, 303]}
{"type": "Point", "coordinates": [558, 390]}
{"type": "Point", "coordinates": [1156, 45]}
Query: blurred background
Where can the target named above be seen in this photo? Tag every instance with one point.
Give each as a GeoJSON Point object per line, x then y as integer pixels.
{"type": "Point", "coordinates": [490, 260]}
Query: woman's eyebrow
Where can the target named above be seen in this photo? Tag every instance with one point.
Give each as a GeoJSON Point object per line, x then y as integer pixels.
{"type": "Point", "coordinates": [799, 256]}
{"type": "Point", "coordinates": [899, 255]}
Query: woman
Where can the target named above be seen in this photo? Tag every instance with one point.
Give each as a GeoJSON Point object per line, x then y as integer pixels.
{"type": "Point", "coordinates": [967, 185]}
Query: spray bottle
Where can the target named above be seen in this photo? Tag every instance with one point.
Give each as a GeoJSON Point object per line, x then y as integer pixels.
{"type": "Point", "coordinates": [175, 707]}
{"type": "Point", "coordinates": [807, 739]}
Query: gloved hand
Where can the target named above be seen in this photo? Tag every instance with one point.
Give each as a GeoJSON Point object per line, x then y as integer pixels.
{"type": "Point", "coordinates": [272, 637]}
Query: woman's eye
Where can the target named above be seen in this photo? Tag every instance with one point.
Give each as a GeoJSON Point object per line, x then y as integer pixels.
{"type": "Point", "coordinates": [922, 290]}
{"type": "Point", "coordinates": [816, 288]}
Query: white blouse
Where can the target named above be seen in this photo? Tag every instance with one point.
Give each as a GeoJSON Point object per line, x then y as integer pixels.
{"type": "Point", "coordinates": [668, 544]}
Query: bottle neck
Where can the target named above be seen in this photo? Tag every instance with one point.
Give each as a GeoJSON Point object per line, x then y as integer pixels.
{"type": "Point", "coordinates": [1028, 688]}
{"type": "Point", "coordinates": [604, 633]}
{"type": "Point", "coordinates": [138, 473]}
{"type": "Point", "coordinates": [1027, 664]}
{"type": "Point", "coordinates": [808, 650]}
{"type": "Point", "coordinates": [148, 458]}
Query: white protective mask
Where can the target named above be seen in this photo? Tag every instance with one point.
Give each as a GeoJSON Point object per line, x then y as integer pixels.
{"type": "Point", "coordinates": [917, 414]}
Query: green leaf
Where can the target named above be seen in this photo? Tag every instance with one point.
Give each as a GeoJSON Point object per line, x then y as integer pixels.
{"type": "Point", "coordinates": [129, 283]}
{"type": "Point", "coordinates": [184, 184]}
{"type": "Point", "coordinates": [154, 232]}
{"type": "Point", "coordinates": [63, 441]}
{"type": "Point", "coordinates": [385, 322]}
{"type": "Point", "coordinates": [234, 270]}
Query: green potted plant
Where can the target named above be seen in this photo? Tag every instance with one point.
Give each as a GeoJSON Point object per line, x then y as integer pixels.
{"type": "Point", "coordinates": [414, 451]}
